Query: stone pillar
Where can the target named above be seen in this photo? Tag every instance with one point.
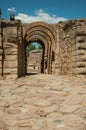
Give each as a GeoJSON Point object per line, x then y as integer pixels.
{"type": "Point", "coordinates": [21, 53]}
{"type": "Point", "coordinates": [1, 49]}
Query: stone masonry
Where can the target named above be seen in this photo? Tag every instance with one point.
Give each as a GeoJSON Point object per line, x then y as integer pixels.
{"type": "Point", "coordinates": [34, 60]}
{"type": "Point", "coordinates": [64, 46]}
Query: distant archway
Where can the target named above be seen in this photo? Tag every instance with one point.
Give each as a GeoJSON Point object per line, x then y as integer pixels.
{"type": "Point", "coordinates": [35, 62]}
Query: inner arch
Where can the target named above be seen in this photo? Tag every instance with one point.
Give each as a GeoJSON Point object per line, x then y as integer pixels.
{"type": "Point", "coordinates": [35, 62]}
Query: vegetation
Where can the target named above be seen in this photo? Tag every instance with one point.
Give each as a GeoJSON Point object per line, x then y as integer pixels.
{"type": "Point", "coordinates": [40, 47]}
{"type": "Point", "coordinates": [32, 47]}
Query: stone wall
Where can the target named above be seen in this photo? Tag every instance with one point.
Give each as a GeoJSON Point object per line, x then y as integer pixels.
{"type": "Point", "coordinates": [69, 48]}
{"type": "Point", "coordinates": [34, 60]}
{"type": "Point", "coordinates": [65, 47]}
{"type": "Point", "coordinates": [8, 51]}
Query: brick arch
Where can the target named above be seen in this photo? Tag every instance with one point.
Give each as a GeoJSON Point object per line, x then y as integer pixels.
{"type": "Point", "coordinates": [40, 36]}
{"type": "Point", "coordinates": [47, 29]}
{"type": "Point", "coordinates": [40, 31]}
{"type": "Point", "coordinates": [43, 25]}
{"type": "Point", "coordinates": [37, 33]}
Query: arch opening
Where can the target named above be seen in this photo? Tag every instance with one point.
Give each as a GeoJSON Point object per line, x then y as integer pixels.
{"type": "Point", "coordinates": [42, 35]}
{"type": "Point", "coordinates": [35, 61]}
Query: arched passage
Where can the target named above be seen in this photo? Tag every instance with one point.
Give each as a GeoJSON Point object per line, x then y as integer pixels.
{"type": "Point", "coordinates": [35, 57]}
{"type": "Point", "coordinates": [45, 35]}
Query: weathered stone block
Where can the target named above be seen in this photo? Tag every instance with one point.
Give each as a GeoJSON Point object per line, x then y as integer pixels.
{"type": "Point", "coordinates": [80, 52]}
{"type": "Point", "coordinates": [0, 71]}
{"type": "Point", "coordinates": [10, 76]}
{"type": "Point", "coordinates": [10, 64]}
{"type": "Point", "coordinates": [81, 58]}
{"type": "Point", "coordinates": [0, 64]}
{"type": "Point", "coordinates": [11, 51]}
{"type": "Point", "coordinates": [1, 51]}
{"type": "Point", "coordinates": [81, 70]}
{"type": "Point", "coordinates": [81, 46]}
{"type": "Point", "coordinates": [11, 57]}
{"type": "Point", "coordinates": [10, 70]}
{"type": "Point", "coordinates": [81, 64]}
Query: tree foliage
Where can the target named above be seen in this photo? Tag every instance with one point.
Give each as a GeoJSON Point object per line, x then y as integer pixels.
{"type": "Point", "coordinates": [30, 48]}
{"type": "Point", "coordinates": [40, 47]}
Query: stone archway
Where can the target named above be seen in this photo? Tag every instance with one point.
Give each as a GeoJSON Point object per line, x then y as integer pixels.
{"type": "Point", "coordinates": [40, 31]}
{"type": "Point", "coordinates": [35, 59]}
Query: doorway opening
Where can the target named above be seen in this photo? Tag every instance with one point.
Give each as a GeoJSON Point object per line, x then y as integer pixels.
{"type": "Point", "coordinates": [35, 51]}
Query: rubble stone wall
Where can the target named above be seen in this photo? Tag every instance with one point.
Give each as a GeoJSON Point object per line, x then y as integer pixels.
{"type": "Point", "coordinates": [72, 46]}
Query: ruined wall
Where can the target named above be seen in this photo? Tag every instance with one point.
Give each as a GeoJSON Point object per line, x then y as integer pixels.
{"type": "Point", "coordinates": [66, 47]}
{"type": "Point", "coordinates": [72, 52]}
{"type": "Point", "coordinates": [8, 50]}
{"type": "Point", "coordinates": [10, 62]}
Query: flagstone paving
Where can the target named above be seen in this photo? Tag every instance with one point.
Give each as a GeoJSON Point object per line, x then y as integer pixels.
{"type": "Point", "coordinates": [43, 102]}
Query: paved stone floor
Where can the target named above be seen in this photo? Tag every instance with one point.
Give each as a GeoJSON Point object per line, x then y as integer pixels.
{"type": "Point", "coordinates": [43, 102]}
